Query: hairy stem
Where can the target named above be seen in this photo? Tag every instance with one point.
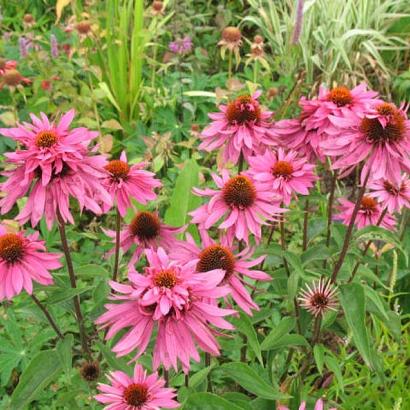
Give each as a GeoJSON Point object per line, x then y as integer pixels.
{"type": "Point", "coordinates": [117, 245]}
{"type": "Point", "coordinates": [330, 212]}
{"type": "Point", "coordinates": [349, 231]}
{"type": "Point", "coordinates": [305, 225]}
{"type": "Point", "coordinates": [316, 329]}
{"type": "Point", "coordinates": [73, 282]}
{"type": "Point", "coordinates": [48, 316]}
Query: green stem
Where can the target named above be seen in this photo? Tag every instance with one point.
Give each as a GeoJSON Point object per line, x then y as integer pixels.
{"type": "Point", "coordinates": [330, 212]}
{"type": "Point", "coordinates": [229, 65]}
{"type": "Point", "coordinates": [117, 244]}
{"type": "Point", "coordinates": [305, 225]}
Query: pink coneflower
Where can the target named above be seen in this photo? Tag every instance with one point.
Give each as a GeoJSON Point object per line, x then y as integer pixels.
{"type": "Point", "coordinates": [318, 406]}
{"type": "Point", "coordinates": [244, 205]}
{"type": "Point", "coordinates": [53, 165]}
{"type": "Point", "coordinates": [147, 231]}
{"type": "Point", "coordinates": [381, 138]}
{"type": "Point", "coordinates": [239, 127]}
{"type": "Point", "coordinates": [23, 259]}
{"type": "Point", "coordinates": [283, 173]}
{"type": "Point", "coordinates": [13, 78]}
{"type": "Point", "coordinates": [231, 40]}
{"type": "Point", "coordinates": [139, 392]}
{"type": "Point", "coordinates": [315, 124]}
{"type": "Point", "coordinates": [7, 65]}
{"type": "Point", "coordinates": [292, 134]}
{"type": "Point", "coordinates": [369, 213]}
{"type": "Point", "coordinates": [222, 255]}
{"type": "Point", "coordinates": [319, 297]}
{"type": "Point", "coordinates": [129, 181]}
{"type": "Point", "coordinates": [177, 300]}
{"type": "Point", "coordinates": [391, 195]}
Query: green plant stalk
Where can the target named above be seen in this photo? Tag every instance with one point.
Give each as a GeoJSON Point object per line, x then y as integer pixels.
{"type": "Point", "coordinates": [229, 65]}
{"type": "Point", "coordinates": [330, 212]}
{"type": "Point", "coordinates": [255, 72]}
{"type": "Point", "coordinates": [117, 244]}
{"type": "Point", "coordinates": [48, 316]}
{"type": "Point", "coordinates": [73, 282]}
{"type": "Point", "coordinates": [349, 231]}
{"type": "Point", "coordinates": [305, 225]}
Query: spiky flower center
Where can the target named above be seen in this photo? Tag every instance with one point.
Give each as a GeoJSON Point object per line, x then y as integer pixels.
{"type": "Point", "coordinates": [136, 394]}
{"type": "Point", "coordinates": [28, 18]}
{"type": "Point", "coordinates": [319, 300]}
{"type": "Point", "coordinates": [216, 257]}
{"type": "Point", "coordinates": [157, 5]}
{"type": "Point", "coordinates": [83, 27]}
{"type": "Point", "coordinates": [46, 139]}
{"type": "Point", "coordinates": [368, 204]}
{"type": "Point", "coordinates": [145, 225]}
{"type": "Point", "coordinates": [340, 96]}
{"type": "Point", "coordinates": [239, 192]}
{"type": "Point", "coordinates": [118, 169]}
{"type": "Point", "coordinates": [231, 34]}
{"type": "Point", "coordinates": [243, 109]}
{"type": "Point", "coordinates": [90, 371]}
{"type": "Point", "coordinates": [282, 169]}
{"type": "Point", "coordinates": [166, 278]}
{"type": "Point", "coordinates": [12, 77]}
{"type": "Point", "coordinates": [391, 188]}
{"type": "Point", "coordinates": [11, 247]}
{"type": "Point", "coordinates": [394, 130]}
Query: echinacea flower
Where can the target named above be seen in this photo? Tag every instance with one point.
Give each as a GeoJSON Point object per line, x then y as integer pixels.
{"type": "Point", "coordinates": [369, 213]}
{"type": "Point", "coordinates": [315, 123]}
{"type": "Point", "coordinates": [137, 392]}
{"type": "Point", "coordinates": [7, 65]}
{"type": "Point", "coordinates": [381, 138]}
{"type": "Point", "coordinates": [13, 78]}
{"type": "Point", "coordinates": [319, 297]}
{"type": "Point", "coordinates": [126, 182]}
{"type": "Point", "coordinates": [90, 370]}
{"type": "Point", "coordinates": [239, 127]}
{"type": "Point", "coordinates": [24, 259]}
{"type": "Point", "coordinates": [244, 206]}
{"type": "Point", "coordinates": [173, 297]}
{"type": "Point", "coordinates": [391, 195]}
{"type": "Point", "coordinates": [231, 40]}
{"type": "Point", "coordinates": [157, 8]}
{"type": "Point", "coordinates": [147, 231]}
{"type": "Point", "coordinates": [237, 265]}
{"type": "Point", "coordinates": [53, 164]}
{"type": "Point", "coordinates": [283, 173]}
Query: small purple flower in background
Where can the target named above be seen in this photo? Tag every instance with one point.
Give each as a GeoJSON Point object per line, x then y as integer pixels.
{"type": "Point", "coordinates": [54, 46]}
{"type": "Point", "coordinates": [298, 23]}
{"type": "Point", "coordinates": [181, 46]}
{"type": "Point", "coordinates": [25, 44]}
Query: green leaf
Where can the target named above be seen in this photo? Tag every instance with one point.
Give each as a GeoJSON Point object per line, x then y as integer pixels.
{"type": "Point", "coordinates": [352, 299]}
{"type": "Point", "coordinates": [284, 327]}
{"type": "Point", "coordinates": [64, 351]}
{"type": "Point", "coordinates": [208, 401]}
{"type": "Point", "coordinates": [8, 362]}
{"type": "Point", "coordinates": [182, 200]}
{"type": "Point", "coordinates": [196, 379]}
{"type": "Point", "coordinates": [334, 365]}
{"type": "Point", "coordinates": [250, 380]}
{"type": "Point", "coordinates": [239, 399]}
{"type": "Point", "coordinates": [287, 341]}
{"type": "Point", "coordinates": [42, 369]}
{"type": "Point", "coordinates": [244, 325]}
{"type": "Point", "coordinates": [319, 355]}
{"type": "Point", "coordinates": [114, 362]}
{"type": "Point", "coordinates": [58, 296]}
{"type": "Point", "coordinates": [295, 262]}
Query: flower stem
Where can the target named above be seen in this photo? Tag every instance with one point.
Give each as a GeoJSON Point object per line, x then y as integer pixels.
{"type": "Point", "coordinates": [316, 329]}
{"type": "Point", "coordinates": [73, 281]}
{"type": "Point", "coordinates": [48, 316]}
{"type": "Point", "coordinates": [117, 245]}
{"type": "Point", "coordinates": [330, 212]}
{"type": "Point", "coordinates": [166, 377]}
{"type": "Point", "coordinates": [229, 65]}
{"type": "Point", "coordinates": [366, 248]}
{"type": "Point", "coordinates": [207, 364]}
{"type": "Point", "coordinates": [305, 225]}
{"type": "Point", "coordinates": [349, 231]}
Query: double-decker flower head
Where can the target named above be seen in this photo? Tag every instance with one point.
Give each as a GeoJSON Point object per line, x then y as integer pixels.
{"type": "Point", "coordinates": [53, 165]}
{"type": "Point", "coordinates": [239, 128]}
{"type": "Point", "coordinates": [24, 259]}
{"type": "Point", "coordinates": [380, 138]}
{"type": "Point", "coordinates": [370, 212]}
{"type": "Point", "coordinates": [178, 301]}
{"type": "Point", "coordinates": [237, 265]}
{"type": "Point", "coordinates": [125, 182]}
{"type": "Point", "coordinates": [394, 196]}
{"type": "Point", "coordinates": [243, 205]}
{"type": "Point", "coordinates": [283, 173]}
{"type": "Point", "coordinates": [137, 392]}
